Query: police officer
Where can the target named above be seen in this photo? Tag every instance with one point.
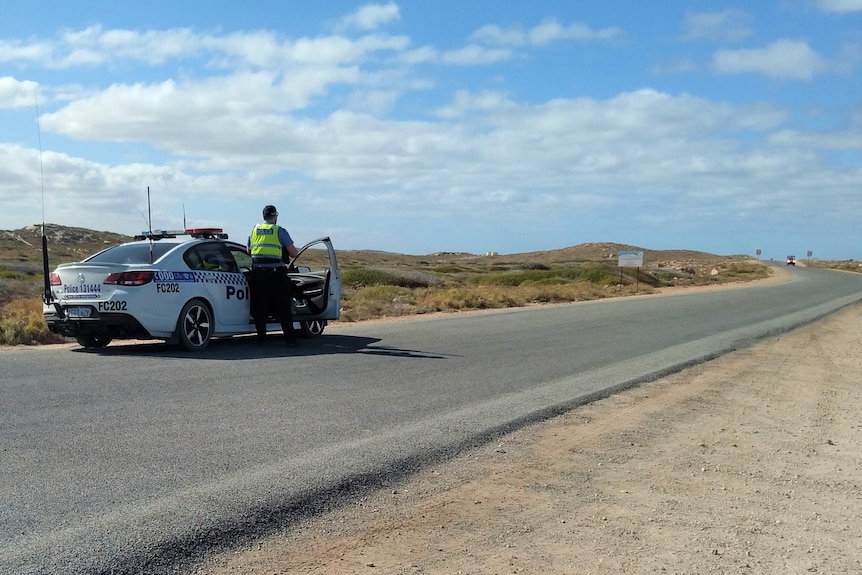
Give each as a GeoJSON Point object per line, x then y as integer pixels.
{"type": "Point", "coordinates": [270, 285]}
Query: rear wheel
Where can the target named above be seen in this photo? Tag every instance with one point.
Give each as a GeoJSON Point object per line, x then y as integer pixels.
{"type": "Point", "coordinates": [195, 326]}
{"type": "Point", "coordinates": [312, 328]}
{"type": "Point", "coordinates": [93, 341]}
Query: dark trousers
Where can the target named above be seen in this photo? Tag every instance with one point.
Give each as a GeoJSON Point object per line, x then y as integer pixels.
{"type": "Point", "coordinates": [272, 290]}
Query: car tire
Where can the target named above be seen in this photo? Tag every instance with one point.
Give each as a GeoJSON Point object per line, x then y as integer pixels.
{"type": "Point", "coordinates": [195, 325]}
{"type": "Point", "coordinates": [93, 341]}
{"type": "Point", "coordinates": [312, 328]}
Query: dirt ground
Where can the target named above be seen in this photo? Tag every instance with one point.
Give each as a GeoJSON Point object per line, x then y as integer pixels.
{"type": "Point", "coordinates": [750, 463]}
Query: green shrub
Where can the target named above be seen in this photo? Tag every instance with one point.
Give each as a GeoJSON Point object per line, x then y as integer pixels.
{"type": "Point", "coordinates": [598, 276]}
{"type": "Point", "coordinates": [517, 278]}
{"type": "Point", "coordinates": [11, 274]}
{"type": "Point", "coordinates": [372, 277]}
{"type": "Point", "coordinates": [534, 266]}
{"type": "Point", "coordinates": [448, 269]}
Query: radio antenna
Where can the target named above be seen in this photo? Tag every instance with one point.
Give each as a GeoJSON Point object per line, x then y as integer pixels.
{"type": "Point", "coordinates": [150, 226]}
{"type": "Point", "coordinates": [46, 293]}
{"type": "Point", "coordinates": [41, 166]}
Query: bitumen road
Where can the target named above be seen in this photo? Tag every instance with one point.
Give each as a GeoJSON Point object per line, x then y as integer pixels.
{"type": "Point", "coordinates": [140, 458]}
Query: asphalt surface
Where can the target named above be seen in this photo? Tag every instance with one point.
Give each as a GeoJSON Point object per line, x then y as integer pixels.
{"type": "Point", "coordinates": [140, 458]}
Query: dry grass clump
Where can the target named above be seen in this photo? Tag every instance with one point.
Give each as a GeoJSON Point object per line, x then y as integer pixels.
{"type": "Point", "coordinates": [843, 265]}
{"type": "Point", "coordinates": [391, 301]}
{"type": "Point", "coordinates": [22, 322]}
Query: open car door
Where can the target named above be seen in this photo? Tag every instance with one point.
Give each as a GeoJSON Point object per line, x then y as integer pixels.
{"type": "Point", "coordinates": [317, 285]}
{"type": "Point", "coordinates": [317, 281]}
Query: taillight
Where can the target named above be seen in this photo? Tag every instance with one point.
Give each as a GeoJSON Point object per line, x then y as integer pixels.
{"type": "Point", "coordinates": [55, 280]}
{"type": "Point", "coordinates": [129, 278]}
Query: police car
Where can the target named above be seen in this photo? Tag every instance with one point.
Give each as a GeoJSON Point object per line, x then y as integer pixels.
{"type": "Point", "coordinates": [185, 287]}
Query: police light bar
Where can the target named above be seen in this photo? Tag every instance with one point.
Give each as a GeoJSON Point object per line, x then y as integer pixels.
{"type": "Point", "coordinates": [207, 233]}
{"type": "Point", "coordinates": [156, 234]}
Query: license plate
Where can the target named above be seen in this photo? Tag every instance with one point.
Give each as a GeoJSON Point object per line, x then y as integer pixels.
{"type": "Point", "coordinates": [78, 311]}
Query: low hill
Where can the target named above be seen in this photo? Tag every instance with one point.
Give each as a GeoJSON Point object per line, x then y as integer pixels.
{"type": "Point", "coordinates": [24, 246]}
{"type": "Point", "coordinates": [65, 244]}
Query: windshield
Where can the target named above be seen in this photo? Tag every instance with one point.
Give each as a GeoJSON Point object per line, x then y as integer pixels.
{"type": "Point", "coordinates": [131, 254]}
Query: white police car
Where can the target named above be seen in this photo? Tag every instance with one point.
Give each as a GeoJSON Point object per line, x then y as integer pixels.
{"type": "Point", "coordinates": [184, 287]}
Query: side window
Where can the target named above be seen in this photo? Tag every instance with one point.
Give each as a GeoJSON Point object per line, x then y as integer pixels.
{"type": "Point", "coordinates": [193, 259]}
{"type": "Point", "coordinates": [211, 256]}
{"type": "Point", "coordinates": [243, 260]}
{"type": "Point", "coordinates": [228, 262]}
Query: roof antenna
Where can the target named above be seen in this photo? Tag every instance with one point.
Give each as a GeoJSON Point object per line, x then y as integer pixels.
{"type": "Point", "coordinates": [47, 297]}
{"type": "Point", "coordinates": [150, 223]}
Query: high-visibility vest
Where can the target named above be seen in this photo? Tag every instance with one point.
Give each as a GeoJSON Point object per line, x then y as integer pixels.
{"type": "Point", "coordinates": [265, 245]}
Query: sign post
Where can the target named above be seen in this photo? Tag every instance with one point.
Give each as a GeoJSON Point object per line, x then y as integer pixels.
{"type": "Point", "coordinates": [631, 259]}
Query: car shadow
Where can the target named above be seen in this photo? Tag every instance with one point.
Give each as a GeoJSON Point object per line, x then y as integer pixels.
{"type": "Point", "coordinates": [245, 347]}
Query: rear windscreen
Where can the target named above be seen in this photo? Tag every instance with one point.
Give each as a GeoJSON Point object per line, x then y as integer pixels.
{"type": "Point", "coordinates": [131, 254]}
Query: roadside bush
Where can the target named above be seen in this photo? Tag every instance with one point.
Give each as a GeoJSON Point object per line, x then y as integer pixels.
{"type": "Point", "coordinates": [11, 274]}
{"type": "Point", "coordinates": [598, 276]}
{"type": "Point", "coordinates": [448, 269]}
{"type": "Point", "coordinates": [534, 266]}
{"type": "Point", "coordinates": [372, 277]}
{"type": "Point", "coordinates": [463, 298]}
{"type": "Point", "coordinates": [743, 270]}
{"type": "Point", "coordinates": [376, 301]}
{"type": "Point", "coordinates": [514, 279]}
{"type": "Point", "coordinates": [21, 322]}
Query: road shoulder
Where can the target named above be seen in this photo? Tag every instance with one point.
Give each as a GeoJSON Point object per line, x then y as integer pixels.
{"type": "Point", "coordinates": [748, 463]}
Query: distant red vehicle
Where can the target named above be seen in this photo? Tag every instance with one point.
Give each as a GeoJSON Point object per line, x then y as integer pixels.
{"type": "Point", "coordinates": [791, 260]}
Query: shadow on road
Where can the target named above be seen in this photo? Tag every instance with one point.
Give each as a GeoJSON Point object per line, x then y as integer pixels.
{"type": "Point", "coordinates": [245, 347]}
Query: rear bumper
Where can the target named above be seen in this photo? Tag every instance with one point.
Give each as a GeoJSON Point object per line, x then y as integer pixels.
{"type": "Point", "coordinates": [113, 325]}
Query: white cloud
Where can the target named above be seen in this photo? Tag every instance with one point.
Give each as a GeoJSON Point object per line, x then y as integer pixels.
{"type": "Point", "coordinates": [491, 155]}
{"type": "Point", "coordinates": [175, 115]}
{"type": "Point", "coordinates": [94, 46]}
{"type": "Point", "coordinates": [474, 54]}
{"type": "Point", "coordinates": [728, 25]}
{"type": "Point", "coordinates": [15, 94]}
{"type": "Point", "coordinates": [676, 66]}
{"type": "Point", "coordinates": [787, 59]}
{"type": "Point", "coordinates": [16, 51]}
{"type": "Point", "coordinates": [419, 55]}
{"type": "Point", "coordinates": [840, 6]}
{"type": "Point", "coordinates": [494, 142]}
{"type": "Point", "coordinates": [550, 30]}
{"type": "Point", "coordinates": [547, 31]}
{"type": "Point", "coordinates": [370, 17]}
{"type": "Point", "coordinates": [465, 102]}
{"type": "Point", "coordinates": [374, 102]}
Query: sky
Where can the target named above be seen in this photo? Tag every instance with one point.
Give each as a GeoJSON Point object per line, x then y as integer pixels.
{"type": "Point", "coordinates": [426, 126]}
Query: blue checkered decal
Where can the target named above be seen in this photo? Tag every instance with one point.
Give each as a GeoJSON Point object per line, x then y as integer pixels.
{"type": "Point", "coordinates": [199, 277]}
{"type": "Point", "coordinates": [219, 278]}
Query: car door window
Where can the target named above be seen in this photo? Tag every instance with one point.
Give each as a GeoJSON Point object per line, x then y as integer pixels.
{"type": "Point", "coordinates": [211, 256]}
{"type": "Point", "coordinates": [242, 259]}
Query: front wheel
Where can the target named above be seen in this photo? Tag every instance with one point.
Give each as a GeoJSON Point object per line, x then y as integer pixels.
{"type": "Point", "coordinates": [312, 328]}
{"type": "Point", "coordinates": [93, 341]}
{"type": "Point", "coordinates": [195, 326]}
